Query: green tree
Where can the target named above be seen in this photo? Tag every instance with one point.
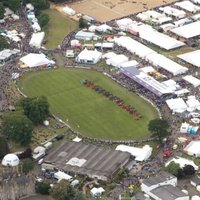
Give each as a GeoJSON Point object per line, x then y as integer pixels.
{"type": "Point", "coordinates": [17, 127]}
{"type": "Point", "coordinates": [159, 128]}
{"type": "Point", "coordinates": [27, 165]}
{"type": "Point", "coordinates": [1, 10]}
{"type": "Point", "coordinates": [79, 196]}
{"type": "Point", "coordinates": [43, 19]}
{"type": "Point", "coordinates": [42, 188]}
{"type": "Point", "coordinates": [188, 170]}
{"type": "Point", "coordinates": [173, 168]}
{"type": "Point", "coordinates": [62, 191]}
{"type": "Point", "coordinates": [13, 4]}
{"type": "Point", "coordinates": [3, 43]}
{"type": "Point", "coordinates": [36, 109]}
{"type": "Point", "coordinates": [82, 23]}
{"type": "Point", "coordinates": [4, 148]}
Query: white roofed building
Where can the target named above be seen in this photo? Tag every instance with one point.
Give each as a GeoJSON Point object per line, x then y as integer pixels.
{"type": "Point", "coordinates": [117, 60]}
{"type": "Point", "coordinates": [140, 154]}
{"type": "Point", "coordinates": [173, 12]}
{"type": "Point", "coordinates": [188, 31]}
{"type": "Point", "coordinates": [36, 60]}
{"type": "Point", "coordinates": [177, 105]}
{"type": "Point", "coordinates": [191, 57]}
{"type": "Point", "coordinates": [37, 39]}
{"type": "Point", "coordinates": [88, 56]}
{"type": "Point", "coordinates": [62, 175]}
{"type": "Point", "coordinates": [192, 80]}
{"type": "Point", "coordinates": [193, 149]}
{"type": "Point", "coordinates": [188, 6]}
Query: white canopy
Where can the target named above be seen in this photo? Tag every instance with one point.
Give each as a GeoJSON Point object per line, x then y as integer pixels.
{"type": "Point", "coordinates": [96, 192]}
{"type": "Point", "coordinates": [177, 105]}
{"type": "Point", "coordinates": [188, 5]}
{"type": "Point", "coordinates": [192, 80]}
{"type": "Point", "coordinates": [129, 63]}
{"type": "Point", "coordinates": [150, 55]}
{"type": "Point", "coordinates": [173, 11]}
{"type": "Point", "coordinates": [140, 154]}
{"type": "Point", "coordinates": [181, 92]}
{"type": "Point", "coordinates": [147, 69]}
{"type": "Point", "coordinates": [37, 39]}
{"type": "Point", "coordinates": [123, 23]}
{"type": "Point", "coordinates": [103, 28]}
{"type": "Point", "coordinates": [117, 60]}
{"type": "Point", "coordinates": [36, 60]}
{"type": "Point", "coordinates": [89, 56]}
{"type": "Point", "coordinates": [191, 57]}
{"type": "Point", "coordinates": [188, 31]}
{"type": "Point", "coordinates": [69, 11]}
{"type": "Point", "coordinates": [108, 55]}
{"type": "Point", "coordinates": [182, 162]}
{"type": "Point", "coordinates": [61, 175]}
{"type": "Point", "coordinates": [10, 160]}
{"type": "Point", "coordinates": [193, 148]}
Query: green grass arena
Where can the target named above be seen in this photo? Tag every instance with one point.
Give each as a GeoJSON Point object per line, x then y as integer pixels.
{"type": "Point", "coordinates": [85, 110]}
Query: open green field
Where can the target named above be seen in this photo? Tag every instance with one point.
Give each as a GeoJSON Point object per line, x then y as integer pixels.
{"type": "Point", "coordinates": [59, 26]}
{"type": "Point", "coordinates": [87, 111]}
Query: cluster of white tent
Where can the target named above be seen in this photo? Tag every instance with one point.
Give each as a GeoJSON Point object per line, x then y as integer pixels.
{"type": "Point", "coordinates": [174, 12]}
{"type": "Point", "coordinates": [101, 28]}
{"type": "Point", "coordinates": [150, 55]}
{"type": "Point", "coordinates": [154, 16]}
{"type": "Point", "coordinates": [149, 34]}
{"type": "Point", "coordinates": [192, 80]}
{"type": "Point", "coordinates": [7, 54]}
{"type": "Point", "coordinates": [178, 105]}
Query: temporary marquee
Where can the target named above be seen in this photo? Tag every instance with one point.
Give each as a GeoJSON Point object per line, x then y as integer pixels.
{"type": "Point", "coordinates": [177, 105]}
{"type": "Point", "coordinates": [173, 12]}
{"type": "Point", "coordinates": [191, 57]}
{"type": "Point", "coordinates": [89, 56]}
{"type": "Point", "coordinates": [130, 63]}
{"type": "Point", "coordinates": [37, 39]}
{"type": "Point", "coordinates": [36, 60]}
{"type": "Point", "coordinates": [188, 6]}
{"type": "Point", "coordinates": [117, 60]}
{"type": "Point", "coordinates": [140, 154]}
{"type": "Point", "coordinates": [193, 148]}
{"type": "Point", "coordinates": [188, 31]}
{"type": "Point", "coordinates": [192, 80]}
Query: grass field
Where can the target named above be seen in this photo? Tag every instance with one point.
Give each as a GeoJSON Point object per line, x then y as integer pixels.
{"type": "Point", "coordinates": [59, 26]}
{"type": "Point", "coordinates": [85, 110]}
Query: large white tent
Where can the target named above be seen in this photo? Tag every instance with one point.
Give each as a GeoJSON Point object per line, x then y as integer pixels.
{"type": "Point", "coordinates": [177, 105]}
{"type": "Point", "coordinates": [166, 63]}
{"type": "Point", "coordinates": [123, 23]}
{"type": "Point", "coordinates": [130, 63]}
{"type": "Point", "coordinates": [140, 154]}
{"type": "Point", "coordinates": [36, 60]}
{"type": "Point", "coordinates": [150, 55]}
{"type": "Point", "coordinates": [89, 56]}
{"type": "Point", "coordinates": [192, 80]}
{"type": "Point", "coordinates": [37, 39]}
{"type": "Point", "coordinates": [117, 60]}
{"type": "Point", "coordinates": [193, 148]}
{"type": "Point", "coordinates": [151, 35]}
{"type": "Point", "coordinates": [173, 12]}
{"type": "Point", "coordinates": [188, 31]}
{"type": "Point", "coordinates": [191, 57]}
{"type": "Point", "coordinates": [182, 162]}
{"type": "Point", "coordinates": [188, 6]}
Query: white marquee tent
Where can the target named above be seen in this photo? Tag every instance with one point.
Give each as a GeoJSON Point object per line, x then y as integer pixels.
{"type": "Point", "coordinates": [177, 105]}
{"type": "Point", "coordinates": [173, 12]}
{"type": "Point", "coordinates": [191, 57]}
{"type": "Point", "coordinates": [129, 63]}
{"type": "Point", "coordinates": [69, 11]}
{"type": "Point", "coordinates": [188, 31]}
{"type": "Point", "coordinates": [37, 39]}
{"type": "Point", "coordinates": [141, 154]}
{"type": "Point", "coordinates": [89, 56]}
{"type": "Point", "coordinates": [36, 60]}
{"type": "Point", "coordinates": [117, 60]}
{"type": "Point", "coordinates": [193, 148]}
{"type": "Point", "coordinates": [150, 55]}
{"type": "Point", "coordinates": [188, 6]}
{"type": "Point", "coordinates": [192, 80]}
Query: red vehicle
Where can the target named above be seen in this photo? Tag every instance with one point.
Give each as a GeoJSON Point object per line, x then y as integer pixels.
{"type": "Point", "coordinates": [167, 153]}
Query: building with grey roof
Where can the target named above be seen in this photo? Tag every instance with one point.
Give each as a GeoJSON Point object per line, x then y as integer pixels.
{"type": "Point", "coordinates": [85, 159]}
{"type": "Point", "coordinates": [162, 178]}
{"type": "Point", "coordinates": [168, 192]}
